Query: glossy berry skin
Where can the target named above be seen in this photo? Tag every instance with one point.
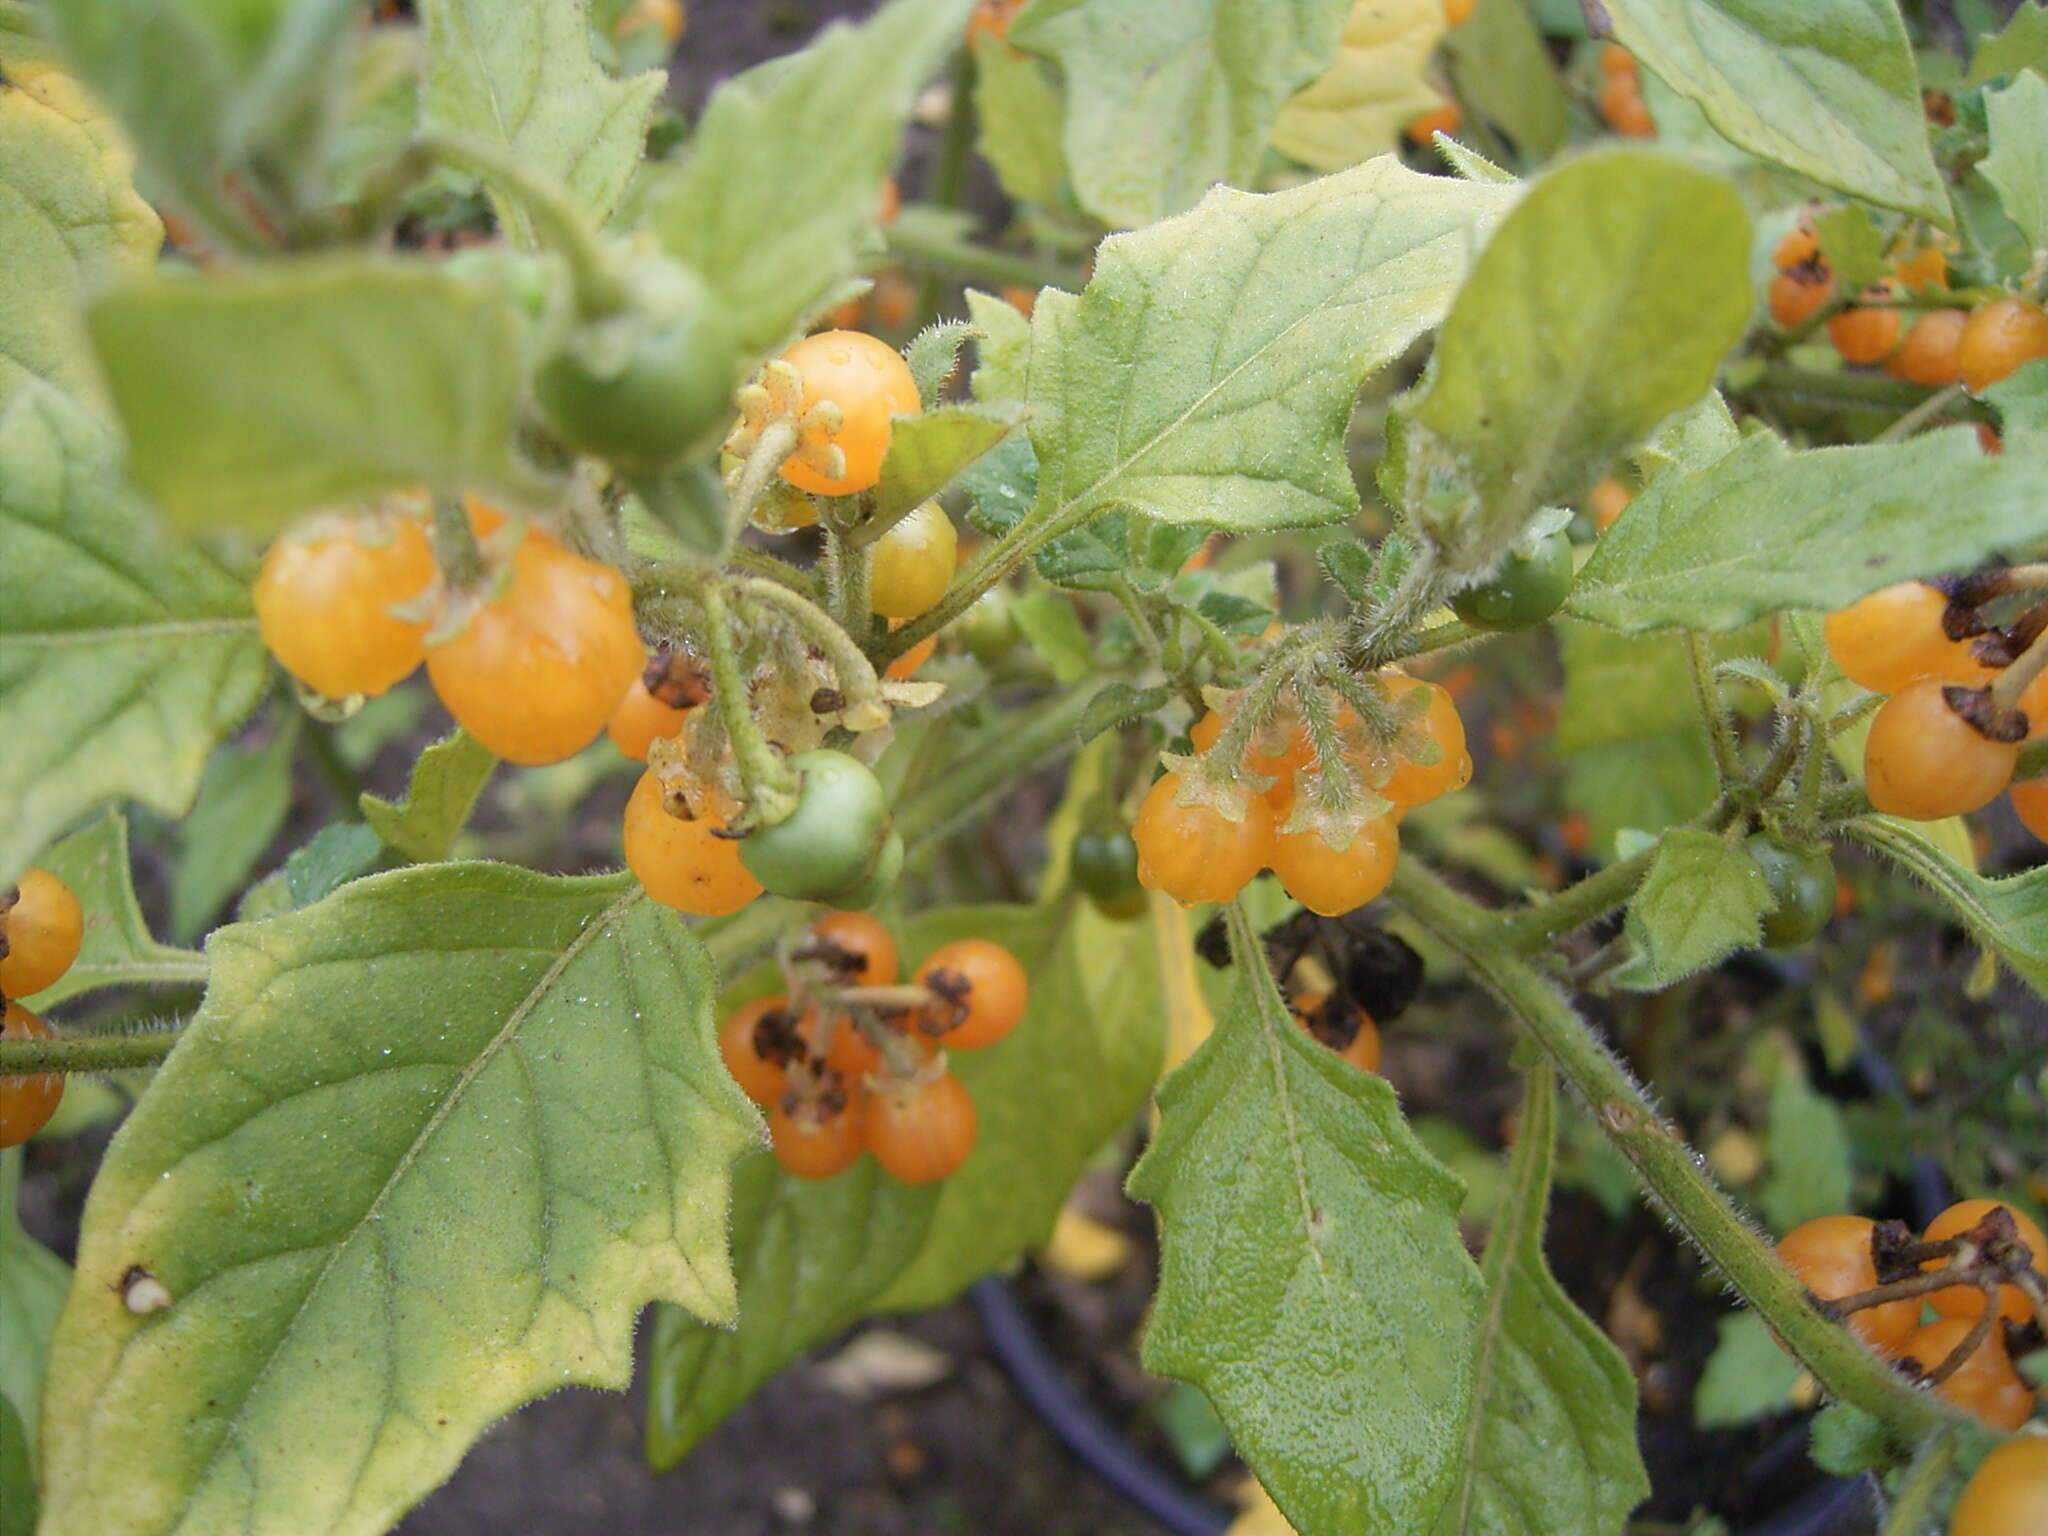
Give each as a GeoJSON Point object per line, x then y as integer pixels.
{"type": "Point", "coordinates": [323, 605]}
{"type": "Point", "coordinates": [880, 879]}
{"type": "Point", "coordinates": [1931, 352]}
{"type": "Point", "coordinates": [2000, 338]}
{"type": "Point", "coordinates": [1363, 1051]}
{"type": "Point", "coordinates": [1985, 1384]}
{"type": "Point", "coordinates": [1923, 761]}
{"type": "Point", "coordinates": [42, 926]}
{"type": "Point", "coordinates": [912, 564]}
{"type": "Point", "coordinates": [760, 1078]}
{"type": "Point", "coordinates": [922, 1132]}
{"type": "Point", "coordinates": [1799, 293]}
{"type": "Point", "coordinates": [988, 629]}
{"type": "Point", "coordinates": [1105, 867]}
{"type": "Point", "coordinates": [1526, 590]}
{"type": "Point", "coordinates": [2008, 1493]}
{"type": "Point", "coordinates": [1413, 783]}
{"type": "Point", "coordinates": [26, 1102]}
{"type": "Point", "coordinates": [983, 992]}
{"type": "Point", "coordinates": [830, 842]}
{"type": "Point", "coordinates": [657, 705]}
{"type": "Point", "coordinates": [1280, 749]}
{"type": "Point", "coordinates": [1967, 1301]}
{"type": "Point", "coordinates": [1865, 335]}
{"type": "Point", "coordinates": [1331, 881]}
{"type": "Point", "coordinates": [1802, 882]}
{"type": "Point", "coordinates": [2030, 804]}
{"type": "Point", "coordinates": [811, 1144]}
{"type": "Point", "coordinates": [682, 862]}
{"type": "Point", "coordinates": [537, 671]}
{"type": "Point", "coordinates": [1893, 637]}
{"type": "Point", "coordinates": [869, 382]}
{"type": "Point", "coordinates": [1832, 1257]}
{"type": "Point", "coordinates": [1192, 852]}
{"type": "Point", "coordinates": [868, 945]}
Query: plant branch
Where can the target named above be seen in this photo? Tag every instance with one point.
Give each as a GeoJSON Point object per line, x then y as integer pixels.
{"type": "Point", "coordinates": [600, 290]}
{"type": "Point", "coordinates": [1727, 756]}
{"type": "Point", "coordinates": [1666, 1166]}
{"type": "Point", "coordinates": [1025, 737]}
{"type": "Point", "coordinates": [86, 1053]}
{"type": "Point", "coordinates": [931, 250]}
{"type": "Point", "coordinates": [1913, 1512]}
{"type": "Point", "coordinates": [770, 786]}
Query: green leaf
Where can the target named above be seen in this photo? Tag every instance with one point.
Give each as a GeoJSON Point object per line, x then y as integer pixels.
{"type": "Point", "coordinates": [117, 949]}
{"type": "Point", "coordinates": [1852, 245]}
{"type": "Point", "coordinates": [933, 357]}
{"type": "Point", "coordinates": [810, 1257]}
{"type": "Point", "coordinates": [1002, 351]}
{"type": "Point", "coordinates": [242, 804]}
{"type": "Point", "coordinates": [70, 223]}
{"type": "Point", "coordinates": [123, 657]}
{"type": "Point", "coordinates": [1550, 1449]}
{"type": "Point", "coordinates": [446, 780]}
{"type": "Point", "coordinates": [17, 1474]}
{"type": "Point", "coordinates": [2007, 916]}
{"type": "Point", "coordinates": [1349, 565]}
{"type": "Point", "coordinates": [335, 855]}
{"type": "Point", "coordinates": [1053, 629]}
{"type": "Point", "coordinates": [1236, 413]}
{"type": "Point", "coordinates": [1165, 98]}
{"type": "Point", "coordinates": [927, 453]}
{"type": "Point", "coordinates": [422, 1157]}
{"type": "Point", "coordinates": [2022, 45]}
{"type": "Point", "coordinates": [1848, 1442]}
{"type": "Point", "coordinates": [1645, 785]}
{"type": "Point", "coordinates": [522, 77]}
{"type": "Point", "coordinates": [778, 191]}
{"type": "Point", "coordinates": [1312, 1280]}
{"type": "Point", "coordinates": [1826, 88]}
{"type": "Point", "coordinates": [1603, 305]}
{"type": "Point", "coordinates": [1020, 116]}
{"type": "Point", "coordinates": [1810, 1173]}
{"type": "Point", "coordinates": [33, 1281]}
{"type": "Point", "coordinates": [1703, 898]}
{"type": "Point", "coordinates": [1766, 528]}
{"type": "Point", "coordinates": [217, 92]}
{"type": "Point", "coordinates": [253, 396]}
{"type": "Point", "coordinates": [1356, 108]}
{"type": "Point", "coordinates": [1502, 70]}
{"type": "Point", "coordinates": [1118, 704]}
{"type": "Point", "coordinates": [2018, 163]}
{"type": "Point", "coordinates": [1747, 1376]}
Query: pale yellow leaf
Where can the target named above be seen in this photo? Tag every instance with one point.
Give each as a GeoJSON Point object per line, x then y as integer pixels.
{"type": "Point", "coordinates": [1355, 109]}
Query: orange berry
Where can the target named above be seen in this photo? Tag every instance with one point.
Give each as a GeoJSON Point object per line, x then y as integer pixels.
{"type": "Point", "coordinates": [324, 601]}
{"type": "Point", "coordinates": [1330, 881]}
{"type": "Point", "coordinates": [1798, 247]}
{"type": "Point", "coordinates": [26, 1101]}
{"type": "Point", "coordinates": [1616, 62]}
{"type": "Point", "coordinates": [658, 703]}
{"type": "Point", "coordinates": [922, 1132]}
{"type": "Point", "coordinates": [1865, 335]}
{"type": "Point", "coordinates": [682, 861]}
{"type": "Point", "coordinates": [1193, 852]}
{"type": "Point", "coordinates": [984, 989]}
{"type": "Point", "coordinates": [1606, 502]}
{"type": "Point", "coordinates": [1447, 118]}
{"type": "Point", "coordinates": [2008, 1493]}
{"type": "Point", "coordinates": [41, 928]}
{"type": "Point", "coordinates": [1622, 105]}
{"type": "Point", "coordinates": [2030, 803]}
{"type": "Point", "coordinates": [819, 1142]}
{"type": "Point", "coordinates": [1458, 12]}
{"type": "Point", "coordinates": [869, 382]}
{"type": "Point", "coordinates": [762, 1076]}
{"type": "Point", "coordinates": [1893, 637]}
{"type": "Point", "coordinates": [870, 953]}
{"type": "Point", "coordinates": [2000, 338]}
{"type": "Point", "coordinates": [1923, 761]}
{"type": "Point", "coordinates": [888, 201]}
{"type": "Point", "coordinates": [1412, 783]}
{"type": "Point", "coordinates": [1967, 1301]}
{"type": "Point", "coordinates": [1833, 1258]}
{"type": "Point", "coordinates": [905, 667]}
{"type": "Point", "coordinates": [1930, 354]}
{"type": "Point", "coordinates": [1799, 293]}
{"type": "Point", "coordinates": [1362, 1050]}
{"type": "Point", "coordinates": [1985, 1384]}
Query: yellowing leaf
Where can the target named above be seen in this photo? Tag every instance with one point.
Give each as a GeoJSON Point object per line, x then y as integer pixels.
{"type": "Point", "coordinates": [1260, 1516]}
{"type": "Point", "coordinates": [70, 222]}
{"type": "Point", "coordinates": [1083, 1248]}
{"type": "Point", "coordinates": [1188, 1020]}
{"type": "Point", "coordinates": [1355, 109]}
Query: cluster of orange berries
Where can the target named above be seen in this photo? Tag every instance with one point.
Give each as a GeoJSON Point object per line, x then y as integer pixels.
{"type": "Point", "coordinates": [847, 1062]}
{"type": "Point", "coordinates": [1976, 348]}
{"type": "Point", "coordinates": [532, 661]}
{"type": "Point", "coordinates": [1932, 752]}
{"type": "Point", "coordinates": [1838, 1257]}
{"type": "Point", "coordinates": [1621, 95]}
{"type": "Point", "coordinates": [1446, 117]}
{"type": "Point", "coordinates": [41, 928]}
{"type": "Point", "coordinates": [1194, 851]}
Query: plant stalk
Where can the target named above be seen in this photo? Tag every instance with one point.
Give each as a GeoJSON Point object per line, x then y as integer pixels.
{"type": "Point", "coordinates": [86, 1053]}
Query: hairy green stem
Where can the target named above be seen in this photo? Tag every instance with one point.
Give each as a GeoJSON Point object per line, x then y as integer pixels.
{"type": "Point", "coordinates": [929, 250]}
{"type": "Point", "coordinates": [1727, 756]}
{"type": "Point", "coordinates": [1913, 1512]}
{"type": "Point", "coordinates": [566, 223]}
{"type": "Point", "coordinates": [1537, 927]}
{"type": "Point", "coordinates": [455, 548]}
{"type": "Point", "coordinates": [856, 674]}
{"type": "Point", "coordinates": [1666, 1166]}
{"type": "Point", "coordinates": [1842, 389]}
{"type": "Point", "coordinates": [1141, 622]}
{"type": "Point", "coordinates": [1918, 417]}
{"type": "Point", "coordinates": [759, 563]}
{"type": "Point", "coordinates": [770, 786]}
{"type": "Point", "coordinates": [85, 1053]}
{"type": "Point", "coordinates": [777, 442]}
